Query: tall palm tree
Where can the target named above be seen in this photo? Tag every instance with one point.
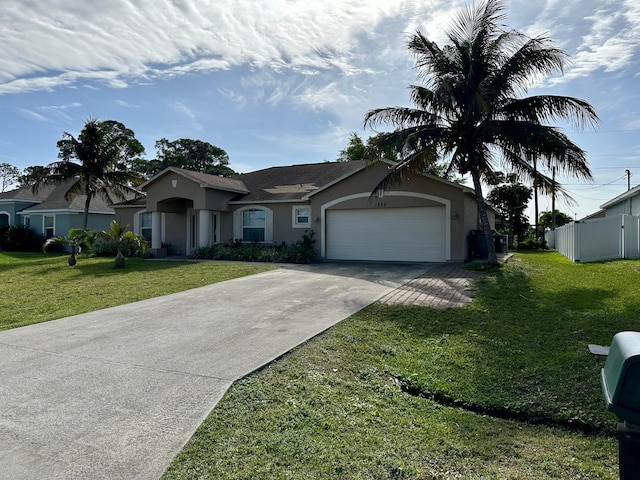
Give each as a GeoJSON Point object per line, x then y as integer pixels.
{"type": "Point", "coordinates": [98, 159]}
{"type": "Point", "coordinates": [468, 111]}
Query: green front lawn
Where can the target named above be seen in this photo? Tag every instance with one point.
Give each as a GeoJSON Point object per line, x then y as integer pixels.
{"type": "Point", "coordinates": [36, 288]}
{"type": "Point", "coordinates": [504, 388]}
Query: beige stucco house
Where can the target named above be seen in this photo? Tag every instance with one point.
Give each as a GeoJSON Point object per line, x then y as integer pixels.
{"type": "Point", "coordinates": [425, 219]}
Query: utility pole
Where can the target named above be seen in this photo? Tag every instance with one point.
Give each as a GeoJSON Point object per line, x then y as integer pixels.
{"type": "Point", "coordinates": [535, 197]}
{"type": "Point", "coordinates": [553, 201]}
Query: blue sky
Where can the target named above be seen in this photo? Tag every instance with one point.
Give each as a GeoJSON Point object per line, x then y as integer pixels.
{"type": "Point", "coordinates": [281, 82]}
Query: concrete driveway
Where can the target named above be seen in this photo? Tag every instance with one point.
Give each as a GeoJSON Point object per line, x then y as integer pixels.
{"type": "Point", "coordinates": [115, 394]}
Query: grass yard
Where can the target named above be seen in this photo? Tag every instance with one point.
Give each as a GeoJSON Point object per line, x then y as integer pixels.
{"type": "Point", "coordinates": [35, 287]}
{"type": "Point", "coordinates": [504, 388]}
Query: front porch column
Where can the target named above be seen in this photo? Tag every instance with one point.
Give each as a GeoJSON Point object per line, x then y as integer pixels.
{"type": "Point", "coordinates": [156, 230]}
{"type": "Point", "coordinates": [204, 227]}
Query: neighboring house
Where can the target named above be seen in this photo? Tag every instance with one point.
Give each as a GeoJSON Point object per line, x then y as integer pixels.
{"type": "Point", "coordinates": [49, 214]}
{"type": "Point", "coordinates": [611, 233]}
{"type": "Point", "coordinates": [626, 204]}
{"type": "Point", "coordinates": [599, 214]}
{"type": "Point", "coordinates": [424, 219]}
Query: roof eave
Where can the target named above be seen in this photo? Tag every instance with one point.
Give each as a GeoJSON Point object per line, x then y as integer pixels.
{"type": "Point", "coordinates": [628, 194]}
{"type": "Point", "coordinates": [191, 179]}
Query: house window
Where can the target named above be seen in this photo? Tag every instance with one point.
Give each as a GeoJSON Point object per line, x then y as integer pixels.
{"type": "Point", "coordinates": [26, 221]}
{"type": "Point", "coordinates": [302, 216]}
{"type": "Point", "coordinates": [145, 226]}
{"type": "Point", "coordinates": [254, 224]}
{"type": "Point", "coordinates": [4, 219]}
{"type": "Point", "coordinates": [49, 226]}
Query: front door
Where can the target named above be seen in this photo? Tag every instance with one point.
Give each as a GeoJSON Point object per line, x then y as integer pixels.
{"type": "Point", "coordinates": [210, 223]}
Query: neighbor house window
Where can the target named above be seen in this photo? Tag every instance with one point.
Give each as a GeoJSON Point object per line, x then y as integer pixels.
{"type": "Point", "coordinates": [26, 221]}
{"type": "Point", "coordinates": [254, 223]}
{"type": "Point", "coordinates": [302, 216]}
{"type": "Point", "coordinates": [145, 226]}
{"type": "Point", "coordinates": [49, 226]}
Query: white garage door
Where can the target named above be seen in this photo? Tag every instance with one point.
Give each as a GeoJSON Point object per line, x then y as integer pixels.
{"type": "Point", "coordinates": [391, 234]}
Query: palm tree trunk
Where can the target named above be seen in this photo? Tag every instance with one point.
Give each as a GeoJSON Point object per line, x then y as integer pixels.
{"type": "Point", "coordinates": [484, 218]}
{"type": "Point", "coordinates": [85, 220]}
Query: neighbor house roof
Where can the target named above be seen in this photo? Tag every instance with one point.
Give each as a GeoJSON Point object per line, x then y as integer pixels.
{"type": "Point", "coordinates": [51, 198]}
{"type": "Point", "coordinates": [229, 184]}
{"type": "Point", "coordinates": [628, 194]}
{"type": "Point", "coordinates": [294, 182]}
{"type": "Point", "coordinates": [24, 194]}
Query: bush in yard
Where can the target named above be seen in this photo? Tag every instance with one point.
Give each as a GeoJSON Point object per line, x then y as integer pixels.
{"type": "Point", "coordinates": [301, 251]}
{"type": "Point", "coordinates": [20, 238]}
{"type": "Point", "coordinates": [532, 244]}
{"type": "Point", "coordinates": [109, 248]}
{"type": "Point", "coordinates": [3, 236]}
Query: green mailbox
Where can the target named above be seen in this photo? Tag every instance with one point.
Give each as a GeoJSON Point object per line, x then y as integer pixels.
{"type": "Point", "coordinates": [620, 377]}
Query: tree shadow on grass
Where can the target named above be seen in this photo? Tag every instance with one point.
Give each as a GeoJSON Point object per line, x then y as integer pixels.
{"type": "Point", "coordinates": [512, 353]}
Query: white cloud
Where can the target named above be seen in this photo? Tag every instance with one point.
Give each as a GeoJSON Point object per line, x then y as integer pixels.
{"type": "Point", "coordinates": [33, 115]}
{"type": "Point", "coordinates": [120, 42]}
{"type": "Point", "coordinates": [58, 43]}
{"type": "Point", "coordinates": [599, 35]}
{"type": "Point", "coordinates": [184, 110]}
{"type": "Point", "coordinates": [124, 103]}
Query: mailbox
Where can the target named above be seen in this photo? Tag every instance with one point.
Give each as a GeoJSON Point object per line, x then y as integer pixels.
{"type": "Point", "coordinates": [620, 377]}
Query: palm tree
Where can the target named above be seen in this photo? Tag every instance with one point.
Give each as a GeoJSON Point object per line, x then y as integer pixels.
{"type": "Point", "coordinates": [468, 111]}
{"type": "Point", "coordinates": [76, 239]}
{"type": "Point", "coordinates": [103, 149]}
{"type": "Point", "coordinates": [119, 234]}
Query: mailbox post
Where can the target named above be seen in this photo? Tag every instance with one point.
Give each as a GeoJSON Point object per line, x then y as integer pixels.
{"type": "Point", "coordinates": [620, 380]}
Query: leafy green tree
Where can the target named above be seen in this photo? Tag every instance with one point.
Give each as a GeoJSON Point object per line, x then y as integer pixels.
{"type": "Point", "coordinates": [546, 219]}
{"type": "Point", "coordinates": [30, 175]}
{"type": "Point", "coordinates": [189, 154]}
{"type": "Point", "coordinates": [98, 159]}
{"type": "Point", "coordinates": [356, 150]}
{"type": "Point", "coordinates": [468, 111]}
{"type": "Point", "coordinates": [9, 175]}
{"type": "Point", "coordinates": [510, 199]}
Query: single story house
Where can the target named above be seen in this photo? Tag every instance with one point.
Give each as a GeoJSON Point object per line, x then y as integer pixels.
{"type": "Point", "coordinates": [425, 219]}
{"type": "Point", "coordinates": [49, 214]}
{"type": "Point", "coordinates": [613, 232]}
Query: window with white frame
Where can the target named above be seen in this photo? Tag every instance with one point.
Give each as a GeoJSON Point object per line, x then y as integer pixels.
{"type": "Point", "coordinates": [145, 226]}
{"type": "Point", "coordinates": [254, 223]}
{"type": "Point", "coordinates": [301, 216]}
{"type": "Point", "coordinates": [26, 221]}
{"type": "Point", "coordinates": [4, 219]}
{"type": "Point", "coordinates": [49, 226]}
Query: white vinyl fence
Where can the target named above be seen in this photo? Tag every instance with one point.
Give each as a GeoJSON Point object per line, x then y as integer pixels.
{"type": "Point", "coordinates": [599, 239]}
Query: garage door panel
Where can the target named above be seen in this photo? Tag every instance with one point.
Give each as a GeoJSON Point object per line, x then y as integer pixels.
{"type": "Point", "coordinates": [394, 234]}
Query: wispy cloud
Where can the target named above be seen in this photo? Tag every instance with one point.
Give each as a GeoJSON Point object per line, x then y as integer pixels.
{"type": "Point", "coordinates": [124, 103]}
{"type": "Point", "coordinates": [123, 41]}
{"type": "Point", "coordinates": [184, 110]}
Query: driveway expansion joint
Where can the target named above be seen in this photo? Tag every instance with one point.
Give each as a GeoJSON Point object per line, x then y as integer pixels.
{"type": "Point", "coordinates": [112, 362]}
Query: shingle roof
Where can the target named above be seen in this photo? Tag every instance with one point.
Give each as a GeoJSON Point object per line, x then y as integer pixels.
{"type": "Point", "coordinates": [294, 182]}
{"type": "Point", "coordinates": [214, 181]}
{"type": "Point", "coordinates": [51, 197]}
{"type": "Point", "coordinates": [25, 193]}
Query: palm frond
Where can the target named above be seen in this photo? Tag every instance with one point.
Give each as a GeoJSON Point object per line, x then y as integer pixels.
{"type": "Point", "coordinates": [399, 116]}
{"type": "Point", "coordinates": [549, 108]}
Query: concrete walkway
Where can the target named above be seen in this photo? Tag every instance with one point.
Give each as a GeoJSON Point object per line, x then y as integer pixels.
{"type": "Point", "coordinates": [115, 394]}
